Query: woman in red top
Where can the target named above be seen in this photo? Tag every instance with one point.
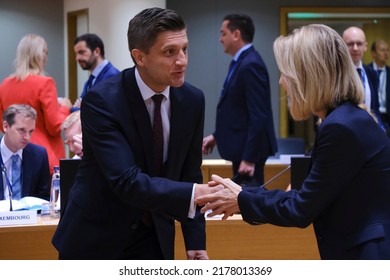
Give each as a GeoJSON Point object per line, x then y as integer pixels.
{"type": "Point", "coordinates": [30, 85]}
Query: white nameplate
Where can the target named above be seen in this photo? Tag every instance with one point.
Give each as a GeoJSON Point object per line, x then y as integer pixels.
{"type": "Point", "coordinates": [23, 217]}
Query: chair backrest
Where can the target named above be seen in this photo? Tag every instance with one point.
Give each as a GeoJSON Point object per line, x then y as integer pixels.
{"type": "Point", "coordinates": [300, 168]}
{"type": "Point", "coordinates": [290, 146]}
{"type": "Point", "coordinates": [68, 169]}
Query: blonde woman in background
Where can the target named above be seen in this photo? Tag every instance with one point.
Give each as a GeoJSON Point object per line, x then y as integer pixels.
{"type": "Point", "coordinates": [30, 85]}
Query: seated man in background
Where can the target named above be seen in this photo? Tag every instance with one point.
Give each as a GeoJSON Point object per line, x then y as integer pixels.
{"type": "Point", "coordinates": [72, 132]}
{"type": "Point", "coordinates": [23, 164]}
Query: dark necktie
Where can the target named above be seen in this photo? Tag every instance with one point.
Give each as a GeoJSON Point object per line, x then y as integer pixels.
{"type": "Point", "coordinates": [88, 85]}
{"type": "Point", "coordinates": [231, 68]}
{"type": "Point", "coordinates": [89, 82]}
{"type": "Point", "coordinates": [158, 135]}
{"type": "Point", "coordinates": [379, 71]}
{"type": "Point", "coordinates": [16, 189]}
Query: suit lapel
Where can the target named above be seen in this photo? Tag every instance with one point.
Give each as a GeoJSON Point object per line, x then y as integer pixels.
{"type": "Point", "coordinates": [388, 89]}
{"type": "Point", "coordinates": [102, 73]}
{"type": "Point", "coordinates": [176, 126]}
{"type": "Point", "coordinates": [234, 73]}
{"type": "Point", "coordinates": [27, 170]}
{"type": "Point", "coordinates": [140, 115]}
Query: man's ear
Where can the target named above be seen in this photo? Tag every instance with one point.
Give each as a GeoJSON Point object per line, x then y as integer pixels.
{"type": "Point", "coordinates": [97, 51]}
{"type": "Point", "coordinates": [138, 56]}
{"type": "Point", "coordinates": [5, 126]}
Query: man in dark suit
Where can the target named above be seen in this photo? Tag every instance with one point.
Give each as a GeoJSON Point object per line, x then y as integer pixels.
{"type": "Point", "coordinates": [380, 54]}
{"type": "Point", "coordinates": [355, 40]}
{"type": "Point", "coordinates": [32, 164]}
{"type": "Point", "coordinates": [127, 192]}
{"type": "Point", "coordinates": [244, 131]}
{"type": "Point", "coordinates": [90, 55]}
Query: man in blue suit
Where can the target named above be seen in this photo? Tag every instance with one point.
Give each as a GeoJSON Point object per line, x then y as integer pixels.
{"type": "Point", "coordinates": [89, 50]}
{"type": "Point", "coordinates": [32, 160]}
{"type": "Point", "coordinates": [244, 131]}
{"type": "Point", "coordinates": [128, 192]}
{"type": "Point", "coordinates": [355, 40]}
{"type": "Point", "coordinates": [380, 54]}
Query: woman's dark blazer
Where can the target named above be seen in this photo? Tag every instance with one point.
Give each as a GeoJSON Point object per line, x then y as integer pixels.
{"type": "Point", "coordinates": [346, 194]}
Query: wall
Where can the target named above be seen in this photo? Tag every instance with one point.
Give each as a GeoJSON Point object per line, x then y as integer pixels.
{"type": "Point", "coordinates": [42, 17]}
{"type": "Point", "coordinates": [109, 19]}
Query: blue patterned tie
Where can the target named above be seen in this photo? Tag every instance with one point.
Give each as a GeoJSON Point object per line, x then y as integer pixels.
{"type": "Point", "coordinates": [16, 190]}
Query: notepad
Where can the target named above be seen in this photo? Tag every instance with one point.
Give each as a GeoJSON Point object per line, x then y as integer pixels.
{"type": "Point", "coordinates": [25, 203]}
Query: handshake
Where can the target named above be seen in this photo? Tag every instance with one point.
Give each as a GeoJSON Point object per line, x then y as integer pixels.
{"type": "Point", "coordinates": [219, 195]}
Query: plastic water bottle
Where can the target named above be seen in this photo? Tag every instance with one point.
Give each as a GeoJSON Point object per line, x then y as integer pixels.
{"type": "Point", "coordinates": [55, 193]}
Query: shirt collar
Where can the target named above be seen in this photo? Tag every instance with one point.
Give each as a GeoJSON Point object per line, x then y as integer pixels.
{"type": "Point", "coordinates": [6, 153]}
{"type": "Point", "coordinates": [375, 66]}
{"type": "Point", "coordinates": [360, 65]}
{"type": "Point", "coordinates": [99, 68]}
{"type": "Point", "coordinates": [240, 51]}
{"type": "Point", "coordinates": [146, 91]}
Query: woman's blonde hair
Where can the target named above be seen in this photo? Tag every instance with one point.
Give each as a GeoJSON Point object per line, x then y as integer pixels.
{"type": "Point", "coordinates": [318, 70]}
{"type": "Point", "coordinates": [30, 56]}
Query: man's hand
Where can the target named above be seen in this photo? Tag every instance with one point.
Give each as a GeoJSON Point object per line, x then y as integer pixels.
{"type": "Point", "coordinates": [223, 201]}
{"type": "Point", "coordinates": [204, 189]}
{"type": "Point", "coordinates": [197, 255]}
{"type": "Point", "coordinates": [246, 168]}
{"type": "Point", "coordinates": [208, 144]}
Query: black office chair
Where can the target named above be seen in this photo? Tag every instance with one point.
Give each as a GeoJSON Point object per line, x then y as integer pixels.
{"type": "Point", "coordinates": [290, 146]}
{"type": "Point", "coordinates": [68, 169]}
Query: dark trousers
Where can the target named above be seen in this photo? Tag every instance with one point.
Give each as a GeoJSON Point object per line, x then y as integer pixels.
{"type": "Point", "coordinates": [144, 245]}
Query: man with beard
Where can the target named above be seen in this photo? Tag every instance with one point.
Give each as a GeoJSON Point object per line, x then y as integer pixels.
{"type": "Point", "coordinates": [89, 51]}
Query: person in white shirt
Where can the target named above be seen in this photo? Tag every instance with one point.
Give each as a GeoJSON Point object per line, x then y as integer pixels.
{"type": "Point", "coordinates": [29, 174]}
{"type": "Point", "coordinates": [355, 39]}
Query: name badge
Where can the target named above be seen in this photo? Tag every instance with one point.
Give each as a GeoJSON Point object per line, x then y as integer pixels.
{"type": "Point", "coordinates": [10, 218]}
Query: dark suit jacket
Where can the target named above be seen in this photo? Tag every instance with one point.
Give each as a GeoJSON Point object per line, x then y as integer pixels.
{"type": "Point", "coordinates": [244, 124]}
{"type": "Point", "coordinates": [35, 173]}
{"type": "Point", "coordinates": [112, 188]}
{"type": "Point", "coordinates": [373, 83]}
{"type": "Point", "coordinates": [371, 66]}
{"type": "Point", "coordinates": [346, 194]}
{"type": "Point", "coordinates": [108, 71]}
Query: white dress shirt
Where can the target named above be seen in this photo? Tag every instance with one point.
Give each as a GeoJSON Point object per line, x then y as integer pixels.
{"type": "Point", "coordinates": [147, 94]}
{"type": "Point", "coordinates": [6, 155]}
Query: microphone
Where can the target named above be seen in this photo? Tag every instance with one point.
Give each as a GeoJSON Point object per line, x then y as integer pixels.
{"type": "Point", "coordinates": [4, 170]}
{"type": "Point", "coordinates": [276, 176]}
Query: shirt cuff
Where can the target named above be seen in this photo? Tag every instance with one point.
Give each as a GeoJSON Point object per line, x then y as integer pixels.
{"type": "Point", "coordinates": [192, 210]}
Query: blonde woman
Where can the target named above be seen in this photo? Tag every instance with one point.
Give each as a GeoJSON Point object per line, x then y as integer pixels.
{"type": "Point", "coordinates": [347, 192]}
{"type": "Point", "coordinates": [30, 85]}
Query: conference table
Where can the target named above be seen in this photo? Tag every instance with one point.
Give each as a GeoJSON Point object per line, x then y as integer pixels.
{"type": "Point", "coordinates": [231, 239]}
